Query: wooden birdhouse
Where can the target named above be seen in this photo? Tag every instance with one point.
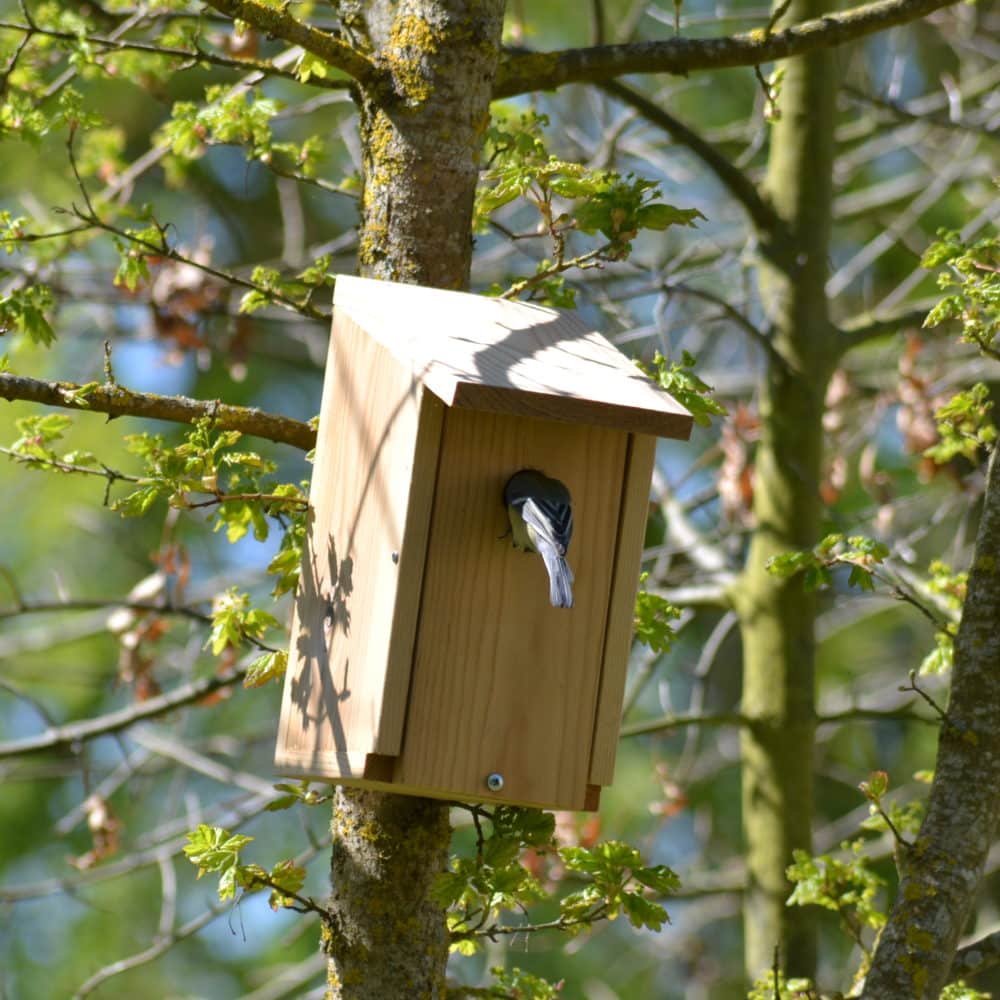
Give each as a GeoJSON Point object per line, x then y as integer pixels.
{"type": "Point", "coordinates": [426, 658]}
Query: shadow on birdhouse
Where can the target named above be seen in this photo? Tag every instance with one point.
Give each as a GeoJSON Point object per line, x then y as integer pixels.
{"type": "Point", "coordinates": [426, 656]}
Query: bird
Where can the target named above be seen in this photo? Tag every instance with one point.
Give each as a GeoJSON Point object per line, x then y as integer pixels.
{"type": "Point", "coordinates": [541, 520]}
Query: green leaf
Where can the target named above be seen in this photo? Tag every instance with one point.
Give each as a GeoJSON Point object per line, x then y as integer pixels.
{"type": "Point", "coordinates": [132, 269]}
{"type": "Point", "coordinates": [960, 991]}
{"type": "Point", "coordinates": [876, 786]}
{"type": "Point", "coordinates": [660, 879]}
{"type": "Point", "coordinates": [310, 66]}
{"type": "Point", "coordinates": [838, 885]}
{"type": "Point", "coordinates": [253, 301]}
{"type": "Point", "coordinates": [282, 803]}
{"type": "Point", "coordinates": [643, 912]}
{"type": "Point", "coordinates": [817, 578]}
{"type": "Point", "coordinates": [651, 623]}
{"type": "Point", "coordinates": [765, 988]}
{"type": "Point", "coordinates": [531, 827]}
{"type": "Point", "coordinates": [963, 424]}
{"type": "Point", "coordinates": [680, 380]}
{"type": "Point", "coordinates": [448, 888]}
{"type": "Point", "coordinates": [138, 502]}
{"type": "Point", "coordinates": [23, 311]}
{"type": "Point", "coordinates": [39, 433]}
{"type": "Point", "coordinates": [287, 562]}
{"type": "Point", "coordinates": [289, 879]}
{"type": "Point", "coordinates": [213, 848]}
{"type": "Point", "coordinates": [520, 985]}
{"type": "Point", "coordinates": [940, 659]}
{"type": "Point", "coordinates": [950, 307]}
{"type": "Point", "coordinates": [660, 216]}
{"type": "Point", "coordinates": [234, 620]}
{"type": "Point", "coordinates": [267, 667]}
{"type": "Point", "coordinates": [789, 564]}
{"type": "Point", "coordinates": [972, 273]}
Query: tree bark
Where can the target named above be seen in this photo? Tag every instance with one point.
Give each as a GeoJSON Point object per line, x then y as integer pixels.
{"type": "Point", "coordinates": [422, 127]}
{"type": "Point", "coordinates": [777, 616]}
{"type": "Point", "coordinates": [943, 868]}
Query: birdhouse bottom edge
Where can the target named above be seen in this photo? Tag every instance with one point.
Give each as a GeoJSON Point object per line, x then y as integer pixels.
{"type": "Point", "coordinates": [357, 769]}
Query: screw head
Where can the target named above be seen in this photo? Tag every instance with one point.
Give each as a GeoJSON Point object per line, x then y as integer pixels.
{"type": "Point", "coordinates": [395, 557]}
{"type": "Point", "coordinates": [494, 782]}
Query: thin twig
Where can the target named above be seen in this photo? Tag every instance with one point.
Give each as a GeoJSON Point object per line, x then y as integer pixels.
{"type": "Point", "coordinates": [193, 57]}
{"type": "Point", "coordinates": [65, 737]}
{"type": "Point", "coordinates": [666, 723]}
{"type": "Point", "coordinates": [916, 689]}
{"type": "Point", "coordinates": [109, 603]}
{"type": "Point", "coordinates": [736, 182]}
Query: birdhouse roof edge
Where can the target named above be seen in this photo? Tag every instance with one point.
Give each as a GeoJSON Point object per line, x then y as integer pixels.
{"type": "Point", "coordinates": [477, 352]}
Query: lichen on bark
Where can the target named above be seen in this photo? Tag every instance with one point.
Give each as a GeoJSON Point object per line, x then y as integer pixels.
{"type": "Point", "coordinates": [386, 937]}
{"type": "Point", "coordinates": [421, 137]}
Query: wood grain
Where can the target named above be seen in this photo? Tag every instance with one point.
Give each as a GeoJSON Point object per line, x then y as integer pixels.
{"type": "Point", "coordinates": [355, 614]}
{"type": "Point", "coordinates": [510, 357]}
{"type": "Point", "coordinates": [621, 613]}
{"type": "Point", "coordinates": [502, 681]}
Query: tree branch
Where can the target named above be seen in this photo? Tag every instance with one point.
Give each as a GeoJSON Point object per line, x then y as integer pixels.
{"type": "Point", "coordinates": [108, 603]}
{"type": "Point", "coordinates": [904, 113]}
{"type": "Point", "coordinates": [730, 176]}
{"type": "Point", "coordinates": [117, 402]}
{"type": "Point", "coordinates": [225, 815]}
{"type": "Point", "coordinates": [942, 873]}
{"type": "Point", "coordinates": [666, 723]}
{"type": "Point", "coordinates": [278, 23]}
{"type": "Point", "coordinates": [169, 936]}
{"type": "Point", "coordinates": [976, 957]}
{"type": "Point", "coordinates": [193, 56]}
{"type": "Point", "coordinates": [64, 737]}
{"type": "Point", "coordinates": [864, 328]}
{"type": "Point", "coordinates": [521, 71]}
{"type": "Point", "coordinates": [754, 332]}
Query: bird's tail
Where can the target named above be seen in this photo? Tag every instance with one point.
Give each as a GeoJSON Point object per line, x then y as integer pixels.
{"type": "Point", "coordinates": [560, 575]}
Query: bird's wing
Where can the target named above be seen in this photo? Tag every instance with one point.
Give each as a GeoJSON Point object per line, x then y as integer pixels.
{"type": "Point", "coordinates": [551, 521]}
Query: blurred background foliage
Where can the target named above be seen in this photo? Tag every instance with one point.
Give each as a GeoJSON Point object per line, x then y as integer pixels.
{"type": "Point", "coordinates": [917, 139]}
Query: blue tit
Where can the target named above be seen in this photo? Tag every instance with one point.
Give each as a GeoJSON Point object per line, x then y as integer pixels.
{"type": "Point", "coordinates": [541, 520]}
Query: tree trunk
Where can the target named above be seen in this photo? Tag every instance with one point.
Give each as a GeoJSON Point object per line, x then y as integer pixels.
{"type": "Point", "coordinates": [777, 616]}
{"type": "Point", "coordinates": [943, 868]}
{"type": "Point", "coordinates": [421, 140]}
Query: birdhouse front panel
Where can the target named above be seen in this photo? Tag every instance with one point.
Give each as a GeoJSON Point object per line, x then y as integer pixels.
{"type": "Point", "coordinates": [503, 683]}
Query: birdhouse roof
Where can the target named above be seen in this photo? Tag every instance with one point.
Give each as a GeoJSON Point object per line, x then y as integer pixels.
{"type": "Point", "coordinates": [484, 353]}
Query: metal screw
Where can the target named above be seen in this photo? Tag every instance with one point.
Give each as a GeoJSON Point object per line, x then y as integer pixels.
{"type": "Point", "coordinates": [494, 782]}
{"type": "Point", "coordinates": [395, 557]}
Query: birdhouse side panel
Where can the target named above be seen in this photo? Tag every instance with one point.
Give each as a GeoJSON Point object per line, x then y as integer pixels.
{"type": "Point", "coordinates": [504, 683]}
{"type": "Point", "coordinates": [621, 613]}
{"type": "Point", "coordinates": [355, 612]}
